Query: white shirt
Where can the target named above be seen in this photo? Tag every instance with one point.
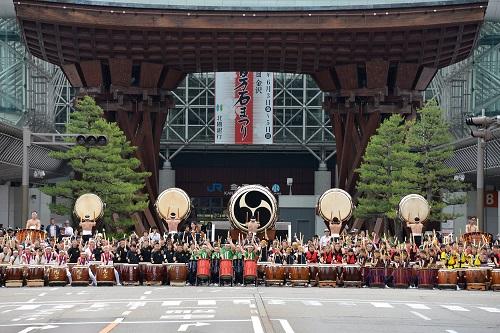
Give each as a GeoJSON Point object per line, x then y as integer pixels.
{"type": "Point", "coordinates": [323, 240]}
{"type": "Point", "coordinates": [52, 231]}
{"type": "Point", "coordinates": [155, 237]}
{"type": "Point", "coordinates": [68, 231]}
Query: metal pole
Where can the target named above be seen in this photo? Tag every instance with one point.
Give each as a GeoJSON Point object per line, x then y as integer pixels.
{"type": "Point", "coordinates": [480, 183]}
{"type": "Point", "coordinates": [25, 173]}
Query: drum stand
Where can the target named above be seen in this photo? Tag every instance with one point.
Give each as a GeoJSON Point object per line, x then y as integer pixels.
{"type": "Point", "coordinates": [201, 278]}
{"type": "Point", "coordinates": [476, 286]}
{"type": "Point", "coordinates": [249, 278]}
{"type": "Point", "coordinates": [222, 279]}
{"type": "Point", "coordinates": [13, 283]}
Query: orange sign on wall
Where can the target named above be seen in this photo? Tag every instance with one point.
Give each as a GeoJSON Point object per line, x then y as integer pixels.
{"type": "Point", "coordinates": [491, 199]}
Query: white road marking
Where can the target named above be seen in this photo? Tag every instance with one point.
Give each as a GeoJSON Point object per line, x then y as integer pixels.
{"type": "Point", "coordinates": [148, 292]}
{"type": "Point", "coordinates": [190, 311]}
{"type": "Point", "coordinates": [455, 308]}
{"type": "Point", "coordinates": [171, 303]}
{"type": "Point", "coordinates": [42, 294]}
{"type": "Point", "coordinates": [126, 313]}
{"type": "Point", "coordinates": [495, 310]}
{"type": "Point", "coordinates": [286, 326]}
{"type": "Point", "coordinates": [142, 297]}
{"type": "Point", "coordinates": [312, 303]}
{"type": "Point", "coordinates": [28, 307]}
{"type": "Point", "coordinates": [188, 316]}
{"type": "Point", "coordinates": [128, 322]}
{"type": "Point", "coordinates": [420, 315]}
{"type": "Point", "coordinates": [135, 305]}
{"type": "Point", "coordinates": [347, 303]}
{"type": "Point", "coordinates": [184, 327]}
{"type": "Point", "coordinates": [241, 301]}
{"type": "Point", "coordinates": [42, 328]}
{"type": "Point", "coordinates": [276, 302]}
{"type": "Point", "coordinates": [64, 306]}
{"type": "Point", "coordinates": [99, 305]}
{"type": "Point", "coordinates": [206, 302]}
{"type": "Point", "coordinates": [257, 325]}
{"type": "Point", "coordinates": [451, 331]}
{"type": "Point", "coordinates": [252, 306]}
{"type": "Point", "coordinates": [31, 300]}
{"type": "Point", "coordinates": [381, 305]}
{"type": "Point", "coordinates": [53, 289]}
{"type": "Point", "coordinates": [417, 306]}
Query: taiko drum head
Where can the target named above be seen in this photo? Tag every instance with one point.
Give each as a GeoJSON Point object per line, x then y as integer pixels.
{"type": "Point", "coordinates": [173, 203]}
{"type": "Point", "coordinates": [253, 201]}
{"type": "Point", "coordinates": [89, 204]}
{"type": "Point", "coordinates": [413, 208]}
{"type": "Point", "coordinates": [335, 205]}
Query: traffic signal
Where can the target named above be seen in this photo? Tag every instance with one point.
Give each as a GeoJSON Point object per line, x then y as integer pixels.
{"type": "Point", "coordinates": [481, 121]}
{"type": "Point", "coordinates": [91, 140]}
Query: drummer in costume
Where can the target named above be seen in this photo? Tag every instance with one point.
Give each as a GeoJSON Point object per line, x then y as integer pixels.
{"type": "Point", "coordinates": [83, 260]}
{"type": "Point", "coordinates": [300, 256]}
{"type": "Point", "coordinates": [34, 222]}
{"type": "Point", "coordinates": [312, 256]}
{"type": "Point", "coordinates": [335, 226]}
{"type": "Point", "coordinates": [472, 225]}
{"type": "Point", "coordinates": [62, 261]}
{"type": "Point", "coordinates": [121, 252]}
{"type": "Point", "coordinates": [107, 260]}
{"type": "Point", "coordinates": [48, 257]}
{"type": "Point", "coordinates": [215, 257]}
{"type": "Point", "coordinates": [132, 255]}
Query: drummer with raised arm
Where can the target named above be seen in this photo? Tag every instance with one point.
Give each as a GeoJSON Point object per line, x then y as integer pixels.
{"type": "Point", "coordinates": [173, 223]}
{"type": "Point", "coordinates": [87, 226]}
{"type": "Point", "coordinates": [252, 226]}
{"type": "Point", "coordinates": [416, 230]}
{"type": "Point", "coordinates": [472, 225]}
{"type": "Point", "coordinates": [335, 227]}
{"type": "Point", "coordinates": [34, 222]}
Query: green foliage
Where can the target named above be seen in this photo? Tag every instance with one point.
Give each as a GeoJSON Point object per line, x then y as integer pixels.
{"type": "Point", "coordinates": [388, 171]}
{"type": "Point", "coordinates": [430, 137]}
{"type": "Point", "coordinates": [108, 171]}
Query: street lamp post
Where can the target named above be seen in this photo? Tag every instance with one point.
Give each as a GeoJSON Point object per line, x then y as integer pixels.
{"type": "Point", "coordinates": [483, 134]}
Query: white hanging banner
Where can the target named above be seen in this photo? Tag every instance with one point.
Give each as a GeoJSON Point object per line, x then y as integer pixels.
{"type": "Point", "coordinates": [244, 108]}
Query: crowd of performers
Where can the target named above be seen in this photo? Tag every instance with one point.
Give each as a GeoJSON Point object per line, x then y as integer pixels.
{"type": "Point", "coordinates": [191, 245]}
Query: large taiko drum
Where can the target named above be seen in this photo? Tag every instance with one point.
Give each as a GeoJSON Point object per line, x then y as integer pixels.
{"type": "Point", "coordinates": [413, 208]}
{"type": "Point", "coordinates": [402, 277]}
{"type": "Point", "coordinates": [335, 205]}
{"type": "Point", "coordinates": [31, 235]}
{"type": "Point", "coordinates": [477, 237]}
{"type": "Point", "coordinates": [153, 274]}
{"type": "Point", "coordinates": [250, 270]}
{"type": "Point", "coordinates": [495, 279]}
{"type": "Point", "coordinates": [89, 206]}
{"type": "Point", "coordinates": [177, 274]}
{"type": "Point", "coordinates": [427, 277]}
{"type": "Point", "coordinates": [80, 275]}
{"type": "Point", "coordinates": [253, 201]}
{"type": "Point", "coordinates": [105, 275]}
{"type": "Point", "coordinates": [14, 276]}
{"type": "Point", "coordinates": [328, 275]}
{"type": "Point", "coordinates": [447, 278]}
{"type": "Point", "coordinates": [351, 275]}
{"type": "Point", "coordinates": [129, 274]}
{"type": "Point", "coordinates": [298, 274]}
{"type": "Point", "coordinates": [275, 274]}
{"type": "Point", "coordinates": [173, 202]}
{"type": "Point", "coordinates": [203, 268]}
{"type": "Point", "coordinates": [57, 275]}
{"type": "Point", "coordinates": [226, 269]}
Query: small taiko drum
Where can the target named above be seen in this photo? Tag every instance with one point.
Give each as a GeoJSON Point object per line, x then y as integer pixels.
{"type": "Point", "coordinates": [402, 277]}
{"type": "Point", "coordinates": [57, 275]}
{"type": "Point", "coordinates": [129, 274]}
{"type": "Point", "coordinates": [327, 274]}
{"type": "Point", "coordinates": [298, 274]}
{"type": "Point", "coordinates": [477, 278]}
{"type": "Point", "coordinates": [495, 279]}
{"type": "Point", "coordinates": [80, 275]}
{"type": "Point", "coordinates": [35, 275]}
{"type": "Point", "coordinates": [313, 274]}
{"type": "Point", "coordinates": [177, 274]}
{"type": "Point", "coordinates": [250, 269]}
{"type": "Point", "coordinates": [427, 277]}
{"type": "Point", "coordinates": [447, 278]}
{"type": "Point", "coordinates": [203, 269]}
{"type": "Point", "coordinates": [275, 274]}
{"type": "Point", "coordinates": [105, 275]}
{"type": "Point", "coordinates": [226, 268]}
{"type": "Point", "coordinates": [351, 275]}
{"type": "Point", "coordinates": [14, 276]}
{"type": "Point", "coordinates": [153, 274]}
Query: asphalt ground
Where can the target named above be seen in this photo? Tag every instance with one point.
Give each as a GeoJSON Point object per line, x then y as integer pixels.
{"type": "Point", "coordinates": [246, 309]}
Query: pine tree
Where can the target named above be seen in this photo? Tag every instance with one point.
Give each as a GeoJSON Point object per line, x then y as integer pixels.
{"type": "Point", "coordinates": [388, 171]}
{"type": "Point", "coordinates": [109, 171]}
{"type": "Point", "coordinates": [430, 136]}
